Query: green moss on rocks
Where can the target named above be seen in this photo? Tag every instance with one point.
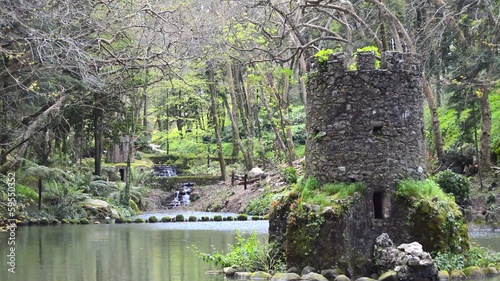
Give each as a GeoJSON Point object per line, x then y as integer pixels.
{"type": "Point", "coordinates": [434, 219]}
{"type": "Point", "coordinates": [242, 217]}
{"type": "Point", "coordinates": [153, 219]}
{"type": "Point", "coordinates": [192, 218]}
{"type": "Point", "coordinates": [54, 221]}
{"type": "Point", "coordinates": [217, 218]}
{"type": "Point", "coordinates": [166, 219]}
{"type": "Point", "coordinates": [179, 218]}
{"type": "Point", "coordinates": [442, 275]}
{"type": "Point", "coordinates": [457, 274]}
{"type": "Point", "coordinates": [44, 221]}
{"type": "Point", "coordinates": [139, 220]}
{"type": "Point", "coordinates": [64, 221]}
{"type": "Point", "coordinates": [474, 272]}
{"type": "Point", "coordinates": [84, 221]}
{"type": "Point", "coordinates": [73, 221]}
{"type": "Point", "coordinates": [389, 276]}
{"type": "Point", "coordinates": [205, 218]}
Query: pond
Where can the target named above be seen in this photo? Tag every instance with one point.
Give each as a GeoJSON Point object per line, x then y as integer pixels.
{"type": "Point", "coordinates": [123, 252]}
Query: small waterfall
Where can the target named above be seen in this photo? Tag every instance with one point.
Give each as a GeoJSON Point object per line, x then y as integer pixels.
{"type": "Point", "coordinates": [182, 195]}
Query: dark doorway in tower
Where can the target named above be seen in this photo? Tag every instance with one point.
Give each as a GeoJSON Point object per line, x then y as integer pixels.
{"type": "Point", "coordinates": [122, 174]}
{"type": "Point", "coordinates": [378, 204]}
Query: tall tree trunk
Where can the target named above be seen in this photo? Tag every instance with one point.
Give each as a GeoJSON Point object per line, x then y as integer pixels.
{"type": "Point", "coordinates": [213, 92]}
{"type": "Point", "coordinates": [436, 129]}
{"type": "Point", "coordinates": [98, 115]}
{"type": "Point", "coordinates": [485, 139]}
{"type": "Point", "coordinates": [233, 111]}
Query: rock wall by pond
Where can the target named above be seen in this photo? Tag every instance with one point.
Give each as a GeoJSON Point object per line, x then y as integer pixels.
{"type": "Point", "coordinates": [364, 126]}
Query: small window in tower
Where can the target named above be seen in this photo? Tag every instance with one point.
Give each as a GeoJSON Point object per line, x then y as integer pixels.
{"type": "Point", "coordinates": [378, 205]}
{"type": "Point", "coordinates": [377, 131]}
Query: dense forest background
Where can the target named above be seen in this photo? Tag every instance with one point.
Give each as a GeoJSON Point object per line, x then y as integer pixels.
{"type": "Point", "coordinates": [220, 79]}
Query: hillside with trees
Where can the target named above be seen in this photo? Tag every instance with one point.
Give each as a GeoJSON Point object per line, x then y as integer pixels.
{"type": "Point", "coordinates": [217, 85]}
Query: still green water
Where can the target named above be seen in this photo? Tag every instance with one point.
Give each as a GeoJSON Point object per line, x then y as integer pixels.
{"type": "Point", "coordinates": [121, 252]}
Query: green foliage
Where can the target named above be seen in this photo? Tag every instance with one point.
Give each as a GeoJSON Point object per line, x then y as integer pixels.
{"type": "Point", "coordinates": [289, 174]}
{"type": "Point", "coordinates": [322, 55]}
{"type": "Point", "coordinates": [373, 49]}
{"type": "Point", "coordinates": [179, 217]}
{"type": "Point", "coordinates": [249, 254]}
{"type": "Point", "coordinates": [166, 219]}
{"type": "Point", "coordinates": [62, 201]}
{"type": "Point", "coordinates": [139, 220]}
{"type": "Point", "coordinates": [217, 218]}
{"type": "Point", "coordinates": [456, 184]}
{"type": "Point", "coordinates": [192, 218]}
{"type": "Point", "coordinates": [475, 256]}
{"type": "Point", "coordinates": [25, 193]}
{"type": "Point", "coordinates": [153, 219]}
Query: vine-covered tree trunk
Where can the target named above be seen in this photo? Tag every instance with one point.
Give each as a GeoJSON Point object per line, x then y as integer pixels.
{"type": "Point", "coordinates": [213, 92]}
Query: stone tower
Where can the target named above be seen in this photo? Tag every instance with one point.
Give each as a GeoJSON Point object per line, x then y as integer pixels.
{"type": "Point", "coordinates": [366, 125]}
{"type": "Point", "coordinates": [363, 126]}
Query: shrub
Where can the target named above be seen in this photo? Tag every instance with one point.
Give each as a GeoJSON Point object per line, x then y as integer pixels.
{"type": "Point", "coordinates": [260, 205]}
{"type": "Point", "coordinates": [179, 217]}
{"type": "Point", "coordinates": [248, 254]}
{"type": "Point", "coordinates": [84, 221]}
{"type": "Point", "coordinates": [129, 221]}
{"type": "Point", "coordinates": [290, 175]}
{"type": "Point", "coordinates": [242, 217]}
{"type": "Point", "coordinates": [229, 218]}
{"type": "Point", "coordinates": [192, 218]}
{"type": "Point", "coordinates": [205, 218]}
{"type": "Point", "coordinates": [54, 221]}
{"type": "Point", "coordinates": [255, 218]}
{"type": "Point", "coordinates": [217, 218]}
{"type": "Point", "coordinates": [139, 220]}
{"type": "Point", "coordinates": [454, 183]}
{"type": "Point", "coordinates": [475, 256]}
{"type": "Point", "coordinates": [153, 219]}
{"type": "Point", "coordinates": [166, 219]}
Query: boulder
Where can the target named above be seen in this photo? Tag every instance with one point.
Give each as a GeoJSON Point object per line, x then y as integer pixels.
{"type": "Point", "coordinates": [409, 261]}
{"type": "Point", "coordinates": [259, 275]}
{"type": "Point", "coordinates": [443, 275]}
{"type": "Point", "coordinates": [457, 274]}
{"type": "Point", "coordinates": [365, 279]}
{"type": "Point", "coordinates": [331, 274]}
{"type": "Point", "coordinates": [474, 272]}
{"type": "Point", "coordinates": [256, 173]}
{"type": "Point", "coordinates": [342, 278]}
{"type": "Point", "coordinates": [96, 208]}
{"type": "Point", "coordinates": [314, 276]}
{"type": "Point", "coordinates": [285, 276]}
{"type": "Point", "coordinates": [308, 269]}
{"type": "Point", "coordinates": [389, 276]}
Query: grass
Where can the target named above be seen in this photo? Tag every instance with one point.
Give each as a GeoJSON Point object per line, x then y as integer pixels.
{"type": "Point", "coordinates": [426, 190]}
